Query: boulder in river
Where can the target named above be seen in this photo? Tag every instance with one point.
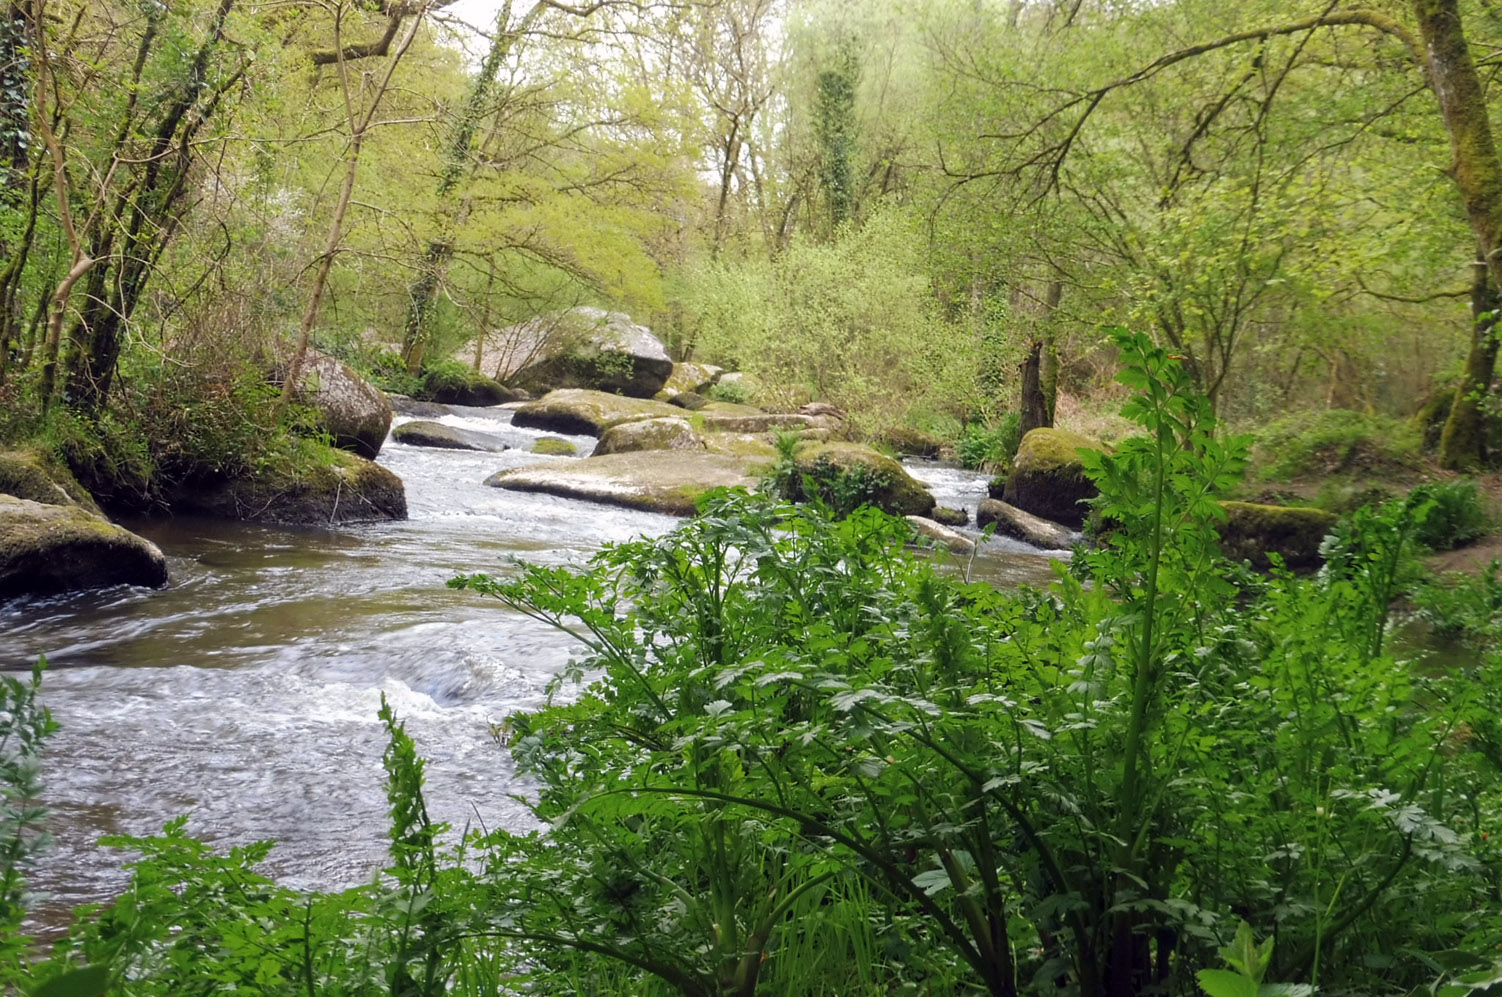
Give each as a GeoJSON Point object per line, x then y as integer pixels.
{"type": "Point", "coordinates": [53, 538]}
{"type": "Point", "coordinates": [582, 347]}
{"type": "Point", "coordinates": [649, 434]}
{"type": "Point", "coordinates": [667, 481]}
{"type": "Point", "coordinates": [1252, 532]}
{"type": "Point", "coordinates": [892, 489]}
{"type": "Point", "coordinates": [353, 411]}
{"type": "Point", "coordinates": [582, 412]}
{"type": "Point", "coordinates": [952, 540]}
{"type": "Point", "coordinates": [417, 408]}
{"type": "Point", "coordinates": [552, 446]}
{"type": "Point", "coordinates": [47, 548]}
{"type": "Point", "coordinates": [911, 442]}
{"type": "Point", "coordinates": [348, 489]}
{"type": "Point", "coordinates": [1013, 522]}
{"type": "Point", "coordinates": [435, 434]}
{"type": "Point", "coordinates": [1048, 479]}
{"type": "Point", "coordinates": [950, 517]}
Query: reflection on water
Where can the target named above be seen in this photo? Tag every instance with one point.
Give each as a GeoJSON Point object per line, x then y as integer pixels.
{"type": "Point", "coordinates": [245, 695]}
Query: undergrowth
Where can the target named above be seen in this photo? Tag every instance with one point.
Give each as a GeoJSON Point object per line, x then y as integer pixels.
{"type": "Point", "coordinates": [791, 759]}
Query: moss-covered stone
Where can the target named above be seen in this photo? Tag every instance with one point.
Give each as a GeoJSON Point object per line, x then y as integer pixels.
{"type": "Point", "coordinates": [436, 434]}
{"type": "Point", "coordinates": [749, 445]}
{"type": "Point", "coordinates": [1047, 478]}
{"type": "Point", "coordinates": [666, 481]}
{"type": "Point", "coordinates": [584, 347]}
{"type": "Point", "coordinates": [30, 474]}
{"type": "Point", "coordinates": [552, 446]}
{"type": "Point", "coordinates": [897, 492]}
{"type": "Point", "coordinates": [50, 547]}
{"type": "Point", "coordinates": [351, 409]}
{"type": "Point", "coordinates": [348, 489]}
{"type": "Point", "coordinates": [950, 517]}
{"type": "Point", "coordinates": [582, 412]}
{"type": "Point", "coordinates": [649, 434]}
{"type": "Point", "coordinates": [692, 378]}
{"type": "Point", "coordinates": [716, 419]}
{"type": "Point", "coordinates": [912, 442]}
{"type": "Point", "coordinates": [691, 400]}
{"type": "Point", "coordinates": [1252, 532]}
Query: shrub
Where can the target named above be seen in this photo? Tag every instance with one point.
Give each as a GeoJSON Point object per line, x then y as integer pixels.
{"type": "Point", "coordinates": [733, 392]}
{"type": "Point", "coordinates": [1456, 517]}
{"type": "Point", "coordinates": [990, 448]}
{"type": "Point", "coordinates": [1336, 440]}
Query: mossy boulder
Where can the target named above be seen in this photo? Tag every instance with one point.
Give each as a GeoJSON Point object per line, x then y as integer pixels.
{"type": "Point", "coordinates": [346, 489]}
{"type": "Point", "coordinates": [436, 434]}
{"type": "Point", "coordinates": [894, 490]}
{"type": "Point", "coordinates": [30, 474]}
{"type": "Point", "coordinates": [718, 420]}
{"type": "Point", "coordinates": [691, 400]}
{"type": "Point", "coordinates": [1047, 478]}
{"type": "Point", "coordinates": [997, 486]}
{"type": "Point", "coordinates": [691, 378]}
{"type": "Point", "coordinates": [952, 540]}
{"type": "Point", "coordinates": [353, 411]}
{"type": "Point", "coordinates": [753, 446]}
{"type": "Point", "coordinates": [581, 348]}
{"type": "Point", "coordinates": [649, 434]}
{"type": "Point", "coordinates": [416, 407]}
{"type": "Point", "coordinates": [1013, 522]}
{"type": "Point", "coordinates": [446, 387]}
{"type": "Point", "coordinates": [950, 517]}
{"type": "Point", "coordinates": [552, 446]}
{"type": "Point", "coordinates": [912, 442]}
{"type": "Point", "coordinates": [582, 412]}
{"type": "Point", "coordinates": [1252, 532]}
{"type": "Point", "coordinates": [64, 547]}
{"type": "Point", "coordinates": [666, 481]}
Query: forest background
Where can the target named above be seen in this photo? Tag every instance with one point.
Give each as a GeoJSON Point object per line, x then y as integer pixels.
{"type": "Point", "coordinates": [890, 206]}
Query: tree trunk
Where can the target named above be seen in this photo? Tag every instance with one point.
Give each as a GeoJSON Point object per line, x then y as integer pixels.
{"type": "Point", "coordinates": [1462, 443]}
{"type": "Point", "coordinates": [1034, 402]}
{"type": "Point", "coordinates": [1478, 174]}
{"type": "Point", "coordinates": [1049, 371]}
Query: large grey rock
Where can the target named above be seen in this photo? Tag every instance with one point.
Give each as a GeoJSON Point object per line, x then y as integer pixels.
{"type": "Point", "coordinates": [354, 411]}
{"type": "Point", "coordinates": [581, 412]}
{"type": "Point", "coordinates": [693, 378]}
{"type": "Point", "coordinates": [955, 541]}
{"type": "Point", "coordinates": [417, 408]}
{"type": "Point", "coordinates": [1013, 522]}
{"type": "Point", "coordinates": [649, 434]}
{"type": "Point", "coordinates": [896, 492]}
{"type": "Point", "coordinates": [667, 481]}
{"type": "Point", "coordinates": [349, 489]}
{"type": "Point", "coordinates": [46, 548]}
{"type": "Point", "coordinates": [28, 474]}
{"type": "Point", "coordinates": [579, 348]}
{"type": "Point", "coordinates": [435, 434]}
{"type": "Point", "coordinates": [1048, 479]}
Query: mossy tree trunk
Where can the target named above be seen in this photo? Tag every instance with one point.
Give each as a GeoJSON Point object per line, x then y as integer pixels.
{"type": "Point", "coordinates": [1462, 443]}
{"type": "Point", "coordinates": [1477, 173]}
{"type": "Point", "coordinates": [1034, 402]}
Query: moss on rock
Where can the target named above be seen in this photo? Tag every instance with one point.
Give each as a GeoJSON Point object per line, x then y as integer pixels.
{"type": "Point", "coordinates": [582, 412]}
{"type": "Point", "coordinates": [649, 434]}
{"type": "Point", "coordinates": [912, 442]}
{"type": "Point", "coordinates": [1252, 532]}
{"type": "Point", "coordinates": [50, 547]}
{"type": "Point", "coordinates": [31, 474]}
{"type": "Point", "coordinates": [1047, 478]}
{"type": "Point", "coordinates": [666, 481]}
{"type": "Point", "coordinates": [346, 489]}
{"type": "Point", "coordinates": [895, 491]}
{"type": "Point", "coordinates": [552, 446]}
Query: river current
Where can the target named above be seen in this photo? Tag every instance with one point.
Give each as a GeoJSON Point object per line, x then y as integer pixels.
{"type": "Point", "coordinates": [245, 694]}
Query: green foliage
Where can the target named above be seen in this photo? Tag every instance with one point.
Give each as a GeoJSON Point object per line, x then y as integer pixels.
{"type": "Point", "coordinates": [24, 726]}
{"type": "Point", "coordinates": [1456, 516]}
{"type": "Point", "coordinates": [990, 448]}
{"type": "Point", "coordinates": [1336, 440]}
{"type": "Point", "coordinates": [1248, 961]}
{"type": "Point", "coordinates": [1463, 605]}
{"type": "Point", "coordinates": [839, 490]}
{"type": "Point", "coordinates": [1083, 783]}
{"type": "Point", "coordinates": [733, 392]}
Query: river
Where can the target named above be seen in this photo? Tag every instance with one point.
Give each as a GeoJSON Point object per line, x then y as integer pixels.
{"type": "Point", "coordinates": [245, 693]}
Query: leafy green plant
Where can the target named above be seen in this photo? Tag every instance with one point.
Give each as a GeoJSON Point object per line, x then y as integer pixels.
{"type": "Point", "coordinates": [990, 447]}
{"type": "Point", "coordinates": [1463, 605]}
{"type": "Point", "coordinates": [733, 392]}
{"type": "Point", "coordinates": [1248, 961]}
{"type": "Point", "coordinates": [1457, 515]}
{"type": "Point", "coordinates": [25, 726]}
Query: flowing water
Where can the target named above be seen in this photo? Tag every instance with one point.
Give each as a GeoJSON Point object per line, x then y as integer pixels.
{"type": "Point", "coordinates": [245, 694]}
